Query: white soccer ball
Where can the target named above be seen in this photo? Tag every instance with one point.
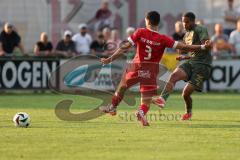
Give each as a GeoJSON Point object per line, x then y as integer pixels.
{"type": "Point", "coordinates": [21, 119]}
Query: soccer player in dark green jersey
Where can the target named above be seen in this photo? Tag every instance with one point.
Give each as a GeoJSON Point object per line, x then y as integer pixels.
{"type": "Point", "coordinates": [194, 71]}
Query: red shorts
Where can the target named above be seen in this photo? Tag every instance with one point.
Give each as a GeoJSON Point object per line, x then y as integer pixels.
{"type": "Point", "coordinates": [144, 74]}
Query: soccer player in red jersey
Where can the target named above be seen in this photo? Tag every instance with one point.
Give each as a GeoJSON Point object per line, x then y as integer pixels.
{"type": "Point", "coordinates": [145, 65]}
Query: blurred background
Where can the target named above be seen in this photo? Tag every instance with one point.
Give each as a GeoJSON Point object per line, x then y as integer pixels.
{"type": "Point", "coordinates": [47, 32]}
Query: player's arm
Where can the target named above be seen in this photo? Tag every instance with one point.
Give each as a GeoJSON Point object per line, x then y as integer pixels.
{"type": "Point", "coordinates": [36, 50]}
{"type": "Point", "coordinates": [119, 52]}
{"type": "Point", "coordinates": [124, 47]}
{"type": "Point", "coordinates": [20, 46]}
{"type": "Point", "coordinates": [185, 47]}
{"type": "Point", "coordinates": [204, 38]}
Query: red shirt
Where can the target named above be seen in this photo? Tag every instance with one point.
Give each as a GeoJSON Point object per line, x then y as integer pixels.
{"type": "Point", "coordinates": [103, 14]}
{"type": "Point", "coordinates": [150, 45]}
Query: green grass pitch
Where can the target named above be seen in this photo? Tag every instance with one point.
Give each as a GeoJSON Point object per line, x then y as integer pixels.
{"type": "Point", "coordinates": [213, 133]}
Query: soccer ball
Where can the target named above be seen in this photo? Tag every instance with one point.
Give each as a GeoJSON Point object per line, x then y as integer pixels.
{"type": "Point", "coordinates": [21, 119]}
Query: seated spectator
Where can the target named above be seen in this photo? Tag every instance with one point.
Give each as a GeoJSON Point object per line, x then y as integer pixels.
{"type": "Point", "coordinates": [98, 46]}
{"type": "Point", "coordinates": [179, 33]}
{"type": "Point", "coordinates": [177, 36]}
{"type": "Point", "coordinates": [43, 47]}
{"type": "Point", "coordinates": [200, 22]}
{"type": "Point", "coordinates": [66, 47]}
{"type": "Point", "coordinates": [130, 31]}
{"type": "Point", "coordinates": [82, 40]}
{"type": "Point", "coordinates": [9, 40]}
{"type": "Point", "coordinates": [234, 40]}
{"type": "Point", "coordinates": [115, 37]}
{"type": "Point", "coordinates": [231, 15]}
{"type": "Point", "coordinates": [221, 47]}
{"type": "Point", "coordinates": [131, 52]}
{"type": "Point", "coordinates": [106, 33]}
{"type": "Point", "coordinates": [102, 17]}
{"type": "Point", "coordinates": [114, 42]}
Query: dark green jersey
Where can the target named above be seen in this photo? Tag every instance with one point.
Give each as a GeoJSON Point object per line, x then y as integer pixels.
{"type": "Point", "coordinates": [196, 37]}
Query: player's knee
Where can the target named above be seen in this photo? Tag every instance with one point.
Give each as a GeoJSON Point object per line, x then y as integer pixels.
{"type": "Point", "coordinates": [173, 78]}
{"type": "Point", "coordinates": [146, 100]}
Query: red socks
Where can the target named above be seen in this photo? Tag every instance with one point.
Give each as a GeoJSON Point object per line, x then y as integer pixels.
{"type": "Point", "coordinates": [144, 108]}
{"type": "Point", "coordinates": [116, 99]}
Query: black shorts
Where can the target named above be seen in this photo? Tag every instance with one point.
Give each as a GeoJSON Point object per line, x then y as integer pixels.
{"type": "Point", "coordinates": [197, 73]}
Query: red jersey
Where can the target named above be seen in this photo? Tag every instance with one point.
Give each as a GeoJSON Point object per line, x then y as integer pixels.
{"type": "Point", "coordinates": [150, 45]}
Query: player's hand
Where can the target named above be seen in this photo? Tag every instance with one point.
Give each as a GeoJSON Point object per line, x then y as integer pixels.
{"type": "Point", "coordinates": [105, 61]}
{"type": "Point", "coordinates": [208, 44]}
{"type": "Point", "coordinates": [182, 57]}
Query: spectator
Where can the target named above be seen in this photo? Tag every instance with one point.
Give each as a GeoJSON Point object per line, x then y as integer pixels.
{"type": "Point", "coordinates": [131, 52]}
{"type": "Point", "coordinates": [130, 31]}
{"type": "Point", "coordinates": [234, 40]}
{"type": "Point", "coordinates": [98, 46]}
{"type": "Point", "coordinates": [231, 16]}
{"type": "Point", "coordinates": [107, 34]}
{"type": "Point", "coordinates": [82, 40]}
{"type": "Point", "coordinates": [102, 17]}
{"type": "Point", "coordinates": [114, 42]}
{"type": "Point", "coordinates": [200, 22]}
{"type": "Point", "coordinates": [9, 40]}
{"type": "Point", "coordinates": [221, 47]}
{"type": "Point", "coordinates": [66, 47]}
{"type": "Point", "coordinates": [43, 47]}
{"type": "Point", "coordinates": [115, 37]}
{"type": "Point", "coordinates": [179, 33]}
{"type": "Point", "coordinates": [177, 36]}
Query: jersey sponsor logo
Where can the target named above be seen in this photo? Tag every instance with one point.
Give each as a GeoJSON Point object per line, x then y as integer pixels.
{"type": "Point", "coordinates": [189, 38]}
{"type": "Point", "coordinates": [144, 74]}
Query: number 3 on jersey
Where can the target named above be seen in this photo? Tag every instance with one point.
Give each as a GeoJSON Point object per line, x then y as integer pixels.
{"type": "Point", "coordinates": [148, 50]}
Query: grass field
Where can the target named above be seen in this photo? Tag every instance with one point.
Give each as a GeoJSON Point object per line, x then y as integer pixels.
{"type": "Point", "coordinates": [213, 133]}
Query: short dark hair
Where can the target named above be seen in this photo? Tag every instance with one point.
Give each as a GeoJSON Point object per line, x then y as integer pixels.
{"type": "Point", "coordinates": [190, 15]}
{"type": "Point", "coordinates": [153, 17]}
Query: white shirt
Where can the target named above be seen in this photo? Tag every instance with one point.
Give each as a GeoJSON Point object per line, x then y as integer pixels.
{"type": "Point", "coordinates": [234, 39]}
{"type": "Point", "coordinates": [82, 43]}
{"type": "Point", "coordinates": [235, 13]}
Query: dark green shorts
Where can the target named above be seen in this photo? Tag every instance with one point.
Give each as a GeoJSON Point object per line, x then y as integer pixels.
{"type": "Point", "coordinates": [197, 73]}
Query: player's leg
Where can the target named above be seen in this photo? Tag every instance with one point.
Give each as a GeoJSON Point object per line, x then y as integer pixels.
{"type": "Point", "coordinates": [178, 74]}
{"type": "Point", "coordinates": [119, 93]}
{"type": "Point", "coordinates": [129, 78]}
{"type": "Point", "coordinates": [186, 94]}
{"type": "Point", "coordinates": [126, 82]}
{"type": "Point", "coordinates": [146, 99]}
{"type": "Point", "coordinates": [199, 74]}
{"type": "Point", "coordinates": [116, 99]}
{"type": "Point", "coordinates": [148, 89]}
